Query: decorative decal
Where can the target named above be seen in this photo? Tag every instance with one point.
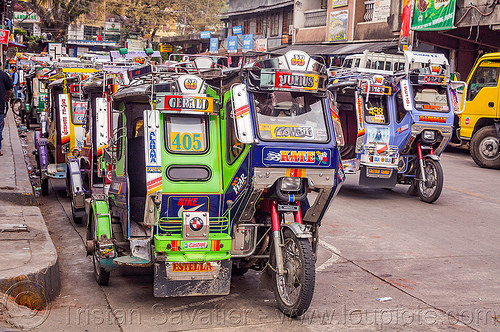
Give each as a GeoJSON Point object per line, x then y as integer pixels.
{"type": "Point", "coordinates": [294, 157]}
{"type": "Point", "coordinates": [64, 119]}
{"type": "Point", "coordinates": [428, 118]}
{"type": "Point", "coordinates": [239, 182]}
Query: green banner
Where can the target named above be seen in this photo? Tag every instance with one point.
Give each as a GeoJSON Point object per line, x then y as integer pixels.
{"type": "Point", "coordinates": [433, 15]}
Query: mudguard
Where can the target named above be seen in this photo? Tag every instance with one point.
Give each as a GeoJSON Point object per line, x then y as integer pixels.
{"type": "Point", "coordinates": [41, 147]}
{"type": "Point", "coordinates": [298, 230]}
{"type": "Point", "coordinates": [433, 156]}
{"type": "Point", "coordinates": [76, 184]}
{"type": "Point", "coordinates": [102, 232]}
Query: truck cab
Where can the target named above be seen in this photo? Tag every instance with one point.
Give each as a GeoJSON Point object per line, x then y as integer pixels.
{"type": "Point", "coordinates": [479, 124]}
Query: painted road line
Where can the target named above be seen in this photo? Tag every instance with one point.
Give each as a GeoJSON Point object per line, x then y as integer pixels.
{"type": "Point", "coordinates": [473, 194]}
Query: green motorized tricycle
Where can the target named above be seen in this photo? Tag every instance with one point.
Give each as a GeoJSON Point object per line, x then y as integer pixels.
{"type": "Point", "coordinates": [163, 206]}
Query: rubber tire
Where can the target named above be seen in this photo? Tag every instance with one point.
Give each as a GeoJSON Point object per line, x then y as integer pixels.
{"type": "Point", "coordinates": [100, 274]}
{"type": "Point", "coordinates": [439, 179]}
{"type": "Point", "coordinates": [68, 187]}
{"type": "Point", "coordinates": [44, 184]}
{"type": "Point", "coordinates": [308, 276]}
{"type": "Point", "coordinates": [475, 152]}
{"type": "Point", "coordinates": [77, 220]}
{"type": "Point", "coordinates": [238, 271]}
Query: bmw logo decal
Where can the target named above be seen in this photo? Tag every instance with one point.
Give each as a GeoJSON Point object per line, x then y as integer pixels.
{"type": "Point", "coordinates": [196, 224]}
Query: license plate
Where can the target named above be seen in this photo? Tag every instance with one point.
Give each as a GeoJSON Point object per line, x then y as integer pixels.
{"type": "Point", "coordinates": [378, 172]}
{"type": "Point", "coordinates": [192, 271]}
{"type": "Point", "coordinates": [378, 159]}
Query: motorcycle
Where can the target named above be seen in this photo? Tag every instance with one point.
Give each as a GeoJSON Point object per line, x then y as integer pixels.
{"type": "Point", "coordinates": [282, 114]}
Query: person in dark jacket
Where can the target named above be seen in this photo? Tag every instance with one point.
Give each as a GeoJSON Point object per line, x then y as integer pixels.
{"type": "Point", "coordinates": [5, 88]}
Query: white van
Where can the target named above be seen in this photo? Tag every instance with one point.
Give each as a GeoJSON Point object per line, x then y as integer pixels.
{"type": "Point", "coordinates": [375, 62]}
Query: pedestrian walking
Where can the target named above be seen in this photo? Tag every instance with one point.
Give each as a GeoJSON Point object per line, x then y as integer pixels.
{"type": "Point", "coordinates": [15, 81]}
{"type": "Point", "coordinates": [5, 88]}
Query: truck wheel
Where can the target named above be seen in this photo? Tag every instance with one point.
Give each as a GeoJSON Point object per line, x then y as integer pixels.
{"type": "Point", "coordinates": [484, 148]}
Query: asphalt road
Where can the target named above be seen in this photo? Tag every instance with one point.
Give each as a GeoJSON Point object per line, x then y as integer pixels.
{"type": "Point", "coordinates": [438, 262]}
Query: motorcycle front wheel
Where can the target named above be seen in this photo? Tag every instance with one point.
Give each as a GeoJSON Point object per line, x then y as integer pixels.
{"type": "Point", "coordinates": [294, 290]}
{"type": "Point", "coordinates": [430, 190]}
{"type": "Point", "coordinates": [100, 274]}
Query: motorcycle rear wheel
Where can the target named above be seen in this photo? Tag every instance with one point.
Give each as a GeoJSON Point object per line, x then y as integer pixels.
{"type": "Point", "coordinates": [430, 190]}
{"type": "Point", "coordinates": [294, 290]}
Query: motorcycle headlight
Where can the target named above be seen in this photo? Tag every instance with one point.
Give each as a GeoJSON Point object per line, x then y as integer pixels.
{"type": "Point", "coordinates": [291, 184]}
{"type": "Point", "coordinates": [75, 152]}
{"type": "Point", "coordinates": [429, 135]}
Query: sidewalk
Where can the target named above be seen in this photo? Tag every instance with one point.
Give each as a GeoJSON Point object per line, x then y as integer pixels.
{"type": "Point", "coordinates": [29, 270]}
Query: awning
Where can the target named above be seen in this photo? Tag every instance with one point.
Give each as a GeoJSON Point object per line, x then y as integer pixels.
{"type": "Point", "coordinates": [252, 8]}
{"type": "Point", "coordinates": [338, 49]}
{"type": "Point", "coordinates": [16, 44]}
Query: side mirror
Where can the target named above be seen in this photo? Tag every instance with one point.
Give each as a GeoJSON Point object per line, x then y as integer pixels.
{"type": "Point", "coordinates": [455, 76]}
{"type": "Point", "coordinates": [241, 114]}
{"type": "Point", "coordinates": [458, 91]}
{"type": "Point", "coordinates": [405, 93]}
{"type": "Point", "coordinates": [337, 125]}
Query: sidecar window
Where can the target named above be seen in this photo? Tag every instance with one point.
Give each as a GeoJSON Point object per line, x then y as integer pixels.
{"type": "Point", "coordinates": [78, 112]}
{"type": "Point", "coordinates": [376, 109]}
{"type": "Point", "coordinates": [234, 147]}
{"type": "Point", "coordinates": [186, 134]}
{"type": "Point", "coordinates": [290, 116]}
{"type": "Point", "coordinates": [400, 108]}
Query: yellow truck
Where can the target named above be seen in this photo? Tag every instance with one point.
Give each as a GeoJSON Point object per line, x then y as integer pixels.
{"type": "Point", "coordinates": [480, 122]}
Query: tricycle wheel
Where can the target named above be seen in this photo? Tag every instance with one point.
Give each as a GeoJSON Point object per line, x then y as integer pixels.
{"type": "Point", "coordinates": [485, 148]}
{"type": "Point", "coordinates": [44, 183]}
{"type": "Point", "coordinates": [77, 220]}
{"type": "Point", "coordinates": [100, 274]}
{"type": "Point", "coordinates": [294, 290]}
{"type": "Point", "coordinates": [239, 271]}
{"type": "Point", "coordinates": [68, 186]}
{"type": "Point", "coordinates": [430, 190]}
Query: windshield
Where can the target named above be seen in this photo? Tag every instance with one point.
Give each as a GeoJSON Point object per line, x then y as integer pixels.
{"type": "Point", "coordinates": [376, 109]}
{"type": "Point", "coordinates": [78, 111]}
{"type": "Point", "coordinates": [290, 116]}
{"type": "Point", "coordinates": [431, 98]}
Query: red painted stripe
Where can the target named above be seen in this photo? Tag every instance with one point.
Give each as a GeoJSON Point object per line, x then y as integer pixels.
{"type": "Point", "coordinates": [242, 110]}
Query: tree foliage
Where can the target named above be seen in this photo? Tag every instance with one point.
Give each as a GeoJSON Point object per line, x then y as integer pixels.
{"type": "Point", "coordinates": [57, 15]}
{"type": "Point", "coordinates": [147, 16]}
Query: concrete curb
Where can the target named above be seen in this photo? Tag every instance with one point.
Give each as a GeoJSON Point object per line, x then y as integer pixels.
{"type": "Point", "coordinates": [33, 273]}
{"type": "Point", "coordinates": [38, 275]}
{"type": "Point", "coordinates": [22, 194]}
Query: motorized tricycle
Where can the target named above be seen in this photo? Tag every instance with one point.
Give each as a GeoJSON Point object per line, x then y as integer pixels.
{"type": "Point", "coordinates": [36, 93]}
{"type": "Point", "coordinates": [164, 203]}
{"type": "Point", "coordinates": [397, 125]}
{"type": "Point", "coordinates": [196, 192]}
{"type": "Point", "coordinates": [88, 173]}
{"type": "Point", "coordinates": [61, 133]}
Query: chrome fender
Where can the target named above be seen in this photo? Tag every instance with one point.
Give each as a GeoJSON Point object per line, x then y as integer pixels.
{"type": "Point", "coordinates": [298, 230]}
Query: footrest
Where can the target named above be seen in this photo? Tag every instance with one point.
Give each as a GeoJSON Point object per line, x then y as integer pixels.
{"type": "Point", "coordinates": [132, 261]}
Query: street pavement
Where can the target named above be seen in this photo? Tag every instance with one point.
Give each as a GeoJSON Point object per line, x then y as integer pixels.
{"type": "Point", "coordinates": [436, 265]}
{"type": "Point", "coordinates": [29, 273]}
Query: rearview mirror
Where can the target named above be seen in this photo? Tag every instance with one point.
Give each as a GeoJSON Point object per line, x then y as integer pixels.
{"type": "Point", "coordinates": [458, 91]}
{"type": "Point", "coordinates": [241, 114]}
